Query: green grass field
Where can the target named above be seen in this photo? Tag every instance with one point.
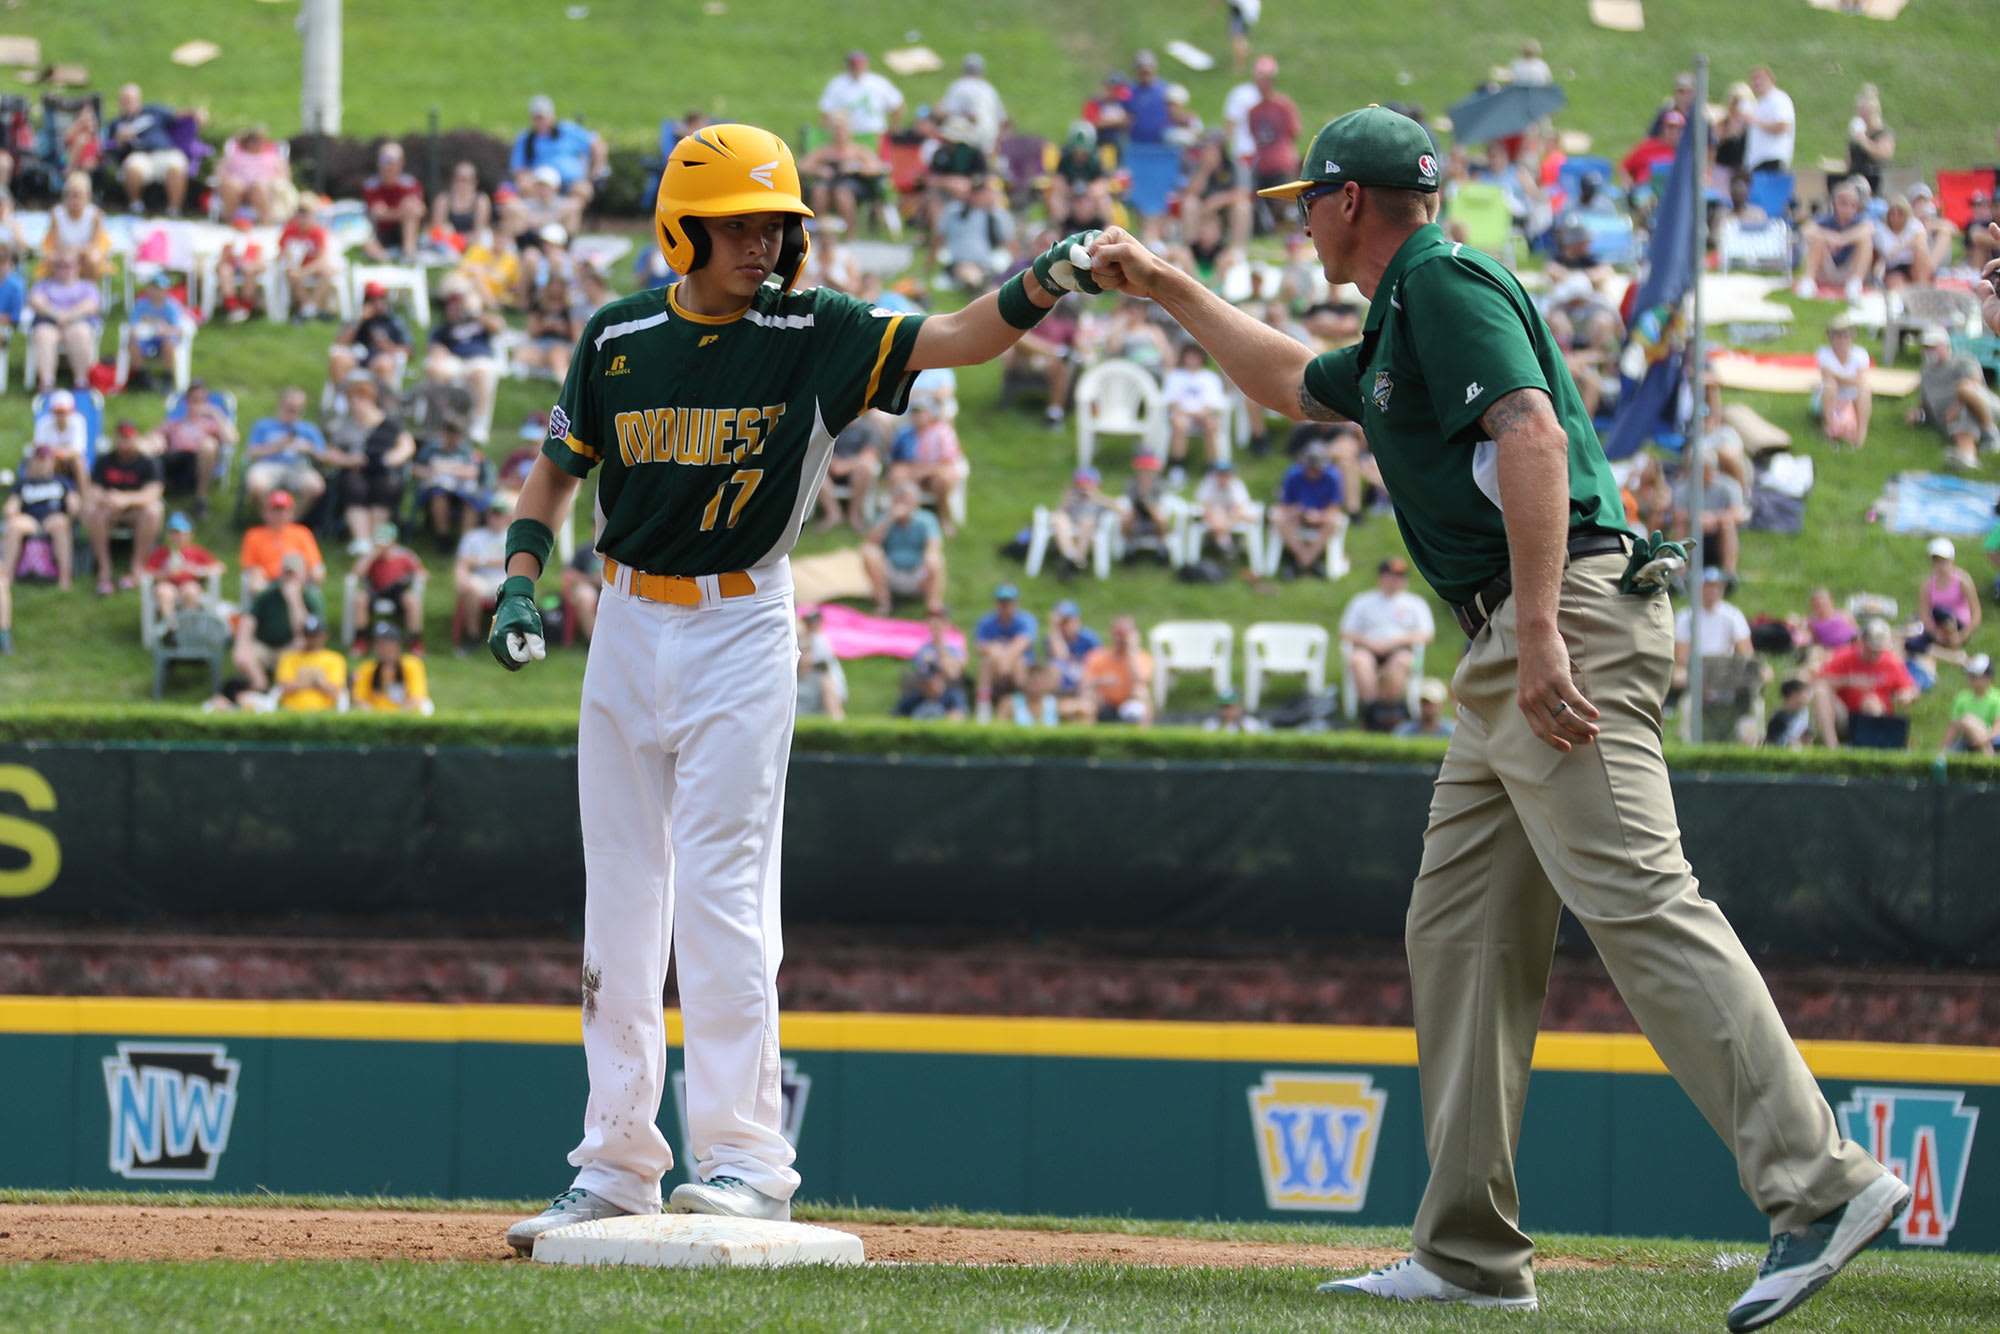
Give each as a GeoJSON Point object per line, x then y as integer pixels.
{"type": "Point", "coordinates": [1641, 1285]}
{"type": "Point", "coordinates": [767, 60]}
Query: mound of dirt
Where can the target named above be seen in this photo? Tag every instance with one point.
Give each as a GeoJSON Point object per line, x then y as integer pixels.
{"type": "Point", "coordinates": [138, 1232]}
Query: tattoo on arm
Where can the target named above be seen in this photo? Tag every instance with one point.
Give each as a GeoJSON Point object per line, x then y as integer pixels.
{"type": "Point", "coordinates": [1312, 409]}
{"type": "Point", "coordinates": [1515, 412]}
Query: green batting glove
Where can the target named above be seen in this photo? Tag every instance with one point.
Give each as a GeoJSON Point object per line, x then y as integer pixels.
{"type": "Point", "coordinates": [516, 637]}
{"type": "Point", "coordinates": [1065, 266]}
{"type": "Point", "coordinates": [1654, 563]}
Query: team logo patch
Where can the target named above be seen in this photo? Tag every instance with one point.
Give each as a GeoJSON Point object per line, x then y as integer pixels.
{"type": "Point", "coordinates": [1924, 1136]}
{"type": "Point", "coordinates": [706, 339]}
{"type": "Point", "coordinates": [1427, 166]}
{"type": "Point", "coordinates": [1316, 1137]}
{"type": "Point", "coordinates": [171, 1107]}
{"type": "Point", "coordinates": [1383, 386]}
{"type": "Point", "coordinates": [618, 366]}
{"type": "Point", "coordinates": [558, 423]}
{"type": "Point", "coordinates": [792, 1090]}
{"type": "Point", "coordinates": [762, 174]}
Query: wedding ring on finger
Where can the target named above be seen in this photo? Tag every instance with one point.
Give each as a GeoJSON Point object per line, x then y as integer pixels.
{"type": "Point", "coordinates": [1557, 711]}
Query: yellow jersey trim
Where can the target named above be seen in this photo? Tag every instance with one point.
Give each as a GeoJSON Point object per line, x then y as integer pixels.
{"type": "Point", "coordinates": [881, 359]}
{"type": "Point", "coordinates": [925, 1034]}
{"type": "Point", "coordinates": [581, 450]}
{"type": "Point", "coordinates": [673, 300]}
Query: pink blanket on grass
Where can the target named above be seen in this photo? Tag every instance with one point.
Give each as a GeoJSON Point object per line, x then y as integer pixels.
{"type": "Point", "coordinates": [856, 634]}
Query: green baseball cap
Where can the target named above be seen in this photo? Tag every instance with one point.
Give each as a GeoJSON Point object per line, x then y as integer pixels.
{"type": "Point", "coordinates": [1372, 146]}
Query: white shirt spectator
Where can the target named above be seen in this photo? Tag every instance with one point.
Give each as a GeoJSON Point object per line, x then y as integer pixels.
{"type": "Point", "coordinates": [1372, 613]}
{"type": "Point", "coordinates": [71, 439]}
{"type": "Point", "coordinates": [978, 236]}
{"type": "Point", "coordinates": [1857, 362]}
{"type": "Point", "coordinates": [865, 99]}
{"type": "Point", "coordinates": [1236, 117]}
{"type": "Point", "coordinates": [978, 101]}
{"type": "Point", "coordinates": [486, 550]}
{"type": "Point", "coordinates": [1530, 72]}
{"type": "Point", "coordinates": [1223, 490]}
{"type": "Point", "coordinates": [1721, 630]}
{"type": "Point", "coordinates": [1195, 390]}
{"type": "Point", "coordinates": [1899, 249]}
{"type": "Point", "coordinates": [1766, 145]}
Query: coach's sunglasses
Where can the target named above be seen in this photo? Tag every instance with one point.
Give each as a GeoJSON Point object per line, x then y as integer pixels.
{"type": "Point", "coordinates": [1305, 200]}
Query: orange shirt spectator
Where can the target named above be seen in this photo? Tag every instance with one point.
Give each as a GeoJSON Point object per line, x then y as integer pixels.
{"type": "Point", "coordinates": [1118, 676]}
{"type": "Point", "coordinates": [266, 546]}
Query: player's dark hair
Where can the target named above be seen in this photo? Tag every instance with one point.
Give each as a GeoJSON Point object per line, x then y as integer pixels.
{"type": "Point", "coordinates": [1411, 206]}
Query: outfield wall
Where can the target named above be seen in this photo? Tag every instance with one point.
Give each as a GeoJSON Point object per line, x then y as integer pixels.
{"type": "Point", "coordinates": [1060, 1116]}
{"type": "Point", "coordinates": [1848, 869]}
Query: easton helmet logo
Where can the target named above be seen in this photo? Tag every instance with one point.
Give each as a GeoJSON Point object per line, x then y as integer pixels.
{"type": "Point", "coordinates": [1924, 1136]}
{"type": "Point", "coordinates": [762, 174]}
{"type": "Point", "coordinates": [1427, 165]}
{"type": "Point", "coordinates": [171, 1108]}
{"type": "Point", "coordinates": [1316, 1137]}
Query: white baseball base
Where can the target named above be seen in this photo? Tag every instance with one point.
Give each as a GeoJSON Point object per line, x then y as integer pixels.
{"type": "Point", "coordinates": [692, 1241]}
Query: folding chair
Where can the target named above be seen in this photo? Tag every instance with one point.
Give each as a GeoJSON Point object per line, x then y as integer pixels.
{"type": "Point", "coordinates": [1103, 541]}
{"type": "Point", "coordinates": [90, 407]}
{"type": "Point", "coordinates": [1118, 397]}
{"type": "Point", "coordinates": [1156, 175]}
{"type": "Point", "coordinates": [351, 596]}
{"type": "Point", "coordinates": [1480, 207]}
{"type": "Point", "coordinates": [183, 351]}
{"type": "Point", "coordinates": [1955, 190]}
{"type": "Point", "coordinates": [1283, 646]}
{"type": "Point", "coordinates": [1248, 532]}
{"type": "Point", "coordinates": [1911, 310]}
{"type": "Point", "coordinates": [408, 279]}
{"type": "Point", "coordinates": [1333, 561]}
{"type": "Point", "coordinates": [149, 615]}
{"type": "Point", "coordinates": [203, 637]}
{"type": "Point", "coordinates": [1773, 192]}
{"type": "Point", "coordinates": [1190, 646]}
{"type": "Point", "coordinates": [1350, 697]}
{"type": "Point", "coordinates": [1765, 248]}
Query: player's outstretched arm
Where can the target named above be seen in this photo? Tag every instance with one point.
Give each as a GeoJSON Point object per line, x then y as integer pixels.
{"type": "Point", "coordinates": [1266, 365]}
{"type": "Point", "coordinates": [995, 322]}
{"type": "Point", "coordinates": [516, 637]}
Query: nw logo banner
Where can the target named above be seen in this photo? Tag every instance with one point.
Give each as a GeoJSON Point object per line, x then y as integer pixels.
{"type": "Point", "coordinates": [171, 1107]}
{"type": "Point", "coordinates": [1924, 1136]}
{"type": "Point", "coordinates": [1316, 1137]}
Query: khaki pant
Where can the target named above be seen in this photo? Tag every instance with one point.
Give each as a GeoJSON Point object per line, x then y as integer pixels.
{"type": "Point", "coordinates": [1517, 831]}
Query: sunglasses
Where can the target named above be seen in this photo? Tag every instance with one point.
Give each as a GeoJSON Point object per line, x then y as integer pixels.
{"type": "Point", "coordinates": [1306, 199]}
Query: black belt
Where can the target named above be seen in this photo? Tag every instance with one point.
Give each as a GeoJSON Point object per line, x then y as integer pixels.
{"type": "Point", "coordinates": [1473, 615]}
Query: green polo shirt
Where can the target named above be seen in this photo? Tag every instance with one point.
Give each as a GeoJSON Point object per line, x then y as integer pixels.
{"type": "Point", "coordinates": [1449, 334]}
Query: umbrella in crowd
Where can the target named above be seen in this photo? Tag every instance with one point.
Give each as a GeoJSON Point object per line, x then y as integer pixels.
{"type": "Point", "coordinates": [1506, 111]}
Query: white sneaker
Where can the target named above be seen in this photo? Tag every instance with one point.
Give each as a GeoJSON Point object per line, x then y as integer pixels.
{"type": "Point", "coordinates": [572, 1206]}
{"type": "Point", "coordinates": [1802, 1262]}
{"type": "Point", "coordinates": [1408, 1281]}
{"type": "Point", "coordinates": [732, 1197]}
{"type": "Point", "coordinates": [1806, 290]}
{"type": "Point", "coordinates": [1854, 289]}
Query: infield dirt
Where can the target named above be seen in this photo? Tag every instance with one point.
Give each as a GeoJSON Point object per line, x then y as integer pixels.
{"type": "Point", "coordinates": [134, 1232]}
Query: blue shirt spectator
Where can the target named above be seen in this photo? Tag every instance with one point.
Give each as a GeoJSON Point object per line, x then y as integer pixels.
{"type": "Point", "coordinates": [993, 628]}
{"type": "Point", "coordinates": [1302, 489]}
{"type": "Point", "coordinates": [465, 337]}
{"type": "Point", "coordinates": [1075, 639]}
{"type": "Point", "coordinates": [548, 142]}
{"type": "Point", "coordinates": [13, 297]}
{"type": "Point", "coordinates": [151, 129]}
{"type": "Point", "coordinates": [903, 544]}
{"type": "Point", "coordinates": [305, 440]}
{"type": "Point", "coordinates": [1147, 106]}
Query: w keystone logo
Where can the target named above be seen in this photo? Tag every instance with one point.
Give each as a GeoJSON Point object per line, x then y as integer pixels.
{"type": "Point", "coordinates": [792, 1090]}
{"type": "Point", "coordinates": [171, 1106]}
{"type": "Point", "coordinates": [1924, 1136]}
{"type": "Point", "coordinates": [1316, 1136]}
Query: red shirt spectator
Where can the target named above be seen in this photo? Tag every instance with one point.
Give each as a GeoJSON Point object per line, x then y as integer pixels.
{"type": "Point", "coordinates": [1654, 151]}
{"type": "Point", "coordinates": [303, 242]}
{"type": "Point", "coordinates": [182, 563]}
{"type": "Point", "coordinates": [1274, 125]}
{"type": "Point", "coordinates": [1886, 669]}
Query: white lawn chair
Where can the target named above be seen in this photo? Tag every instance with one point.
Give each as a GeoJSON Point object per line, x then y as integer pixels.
{"type": "Point", "coordinates": [1119, 397]}
{"type": "Point", "coordinates": [1283, 646]}
{"type": "Point", "coordinates": [183, 351]}
{"type": "Point", "coordinates": [278, 290]}
{"type": "Point", "coordinates": [1911, 310]}
{"type": "Point", "coordinates": [1333, 560]}
{"type": "Point", "coordinates": [1765, 248]}
{"type": "Point", "coordinates": [1248, 532]}
{"type": "Point", "coordinates": [408, 279]}
{"type": "Point", "coordinates": [1190, 646]}
{"type": "Point", "coordinates": [1350, 698]}
{"type": "Point", "coordinates": [1169, 544]}
{"type": "Point", "coordinates": [1104, 541]}
{"type": "Point", "coordinates": [149, 615]}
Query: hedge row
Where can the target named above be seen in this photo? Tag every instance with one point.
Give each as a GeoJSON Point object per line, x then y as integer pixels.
{"type": "Point", "coordinates": [557, 728]}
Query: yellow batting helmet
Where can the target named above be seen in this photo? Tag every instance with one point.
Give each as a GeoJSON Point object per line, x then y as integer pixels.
{"type": "Point", "coordinates": [722, 170]}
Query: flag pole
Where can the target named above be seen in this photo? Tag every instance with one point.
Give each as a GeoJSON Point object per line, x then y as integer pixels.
{"type": "Point", "coordinates": [1697, 374]}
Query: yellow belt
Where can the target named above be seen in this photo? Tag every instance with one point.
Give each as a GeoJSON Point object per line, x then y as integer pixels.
{"type": "Point", "coordinates": [680, 589]}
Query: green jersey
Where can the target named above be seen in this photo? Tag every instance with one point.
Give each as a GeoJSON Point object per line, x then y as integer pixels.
{"type": "Point", "coordinates": [1984, 707]}
{"type": "Point", "coordinates": [1449, 334]}
{"type": "Point", "coordinates": [714, 433]}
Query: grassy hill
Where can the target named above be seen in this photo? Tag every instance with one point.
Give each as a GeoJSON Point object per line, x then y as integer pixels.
{"type": "Point", "coordinates": [768, 63]}
{"type": "Point", "coordinates": [630, 62]}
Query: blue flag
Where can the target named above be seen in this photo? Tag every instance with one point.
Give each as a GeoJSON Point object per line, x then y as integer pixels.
{"type": "Point", "coordinates": [1655, 403]}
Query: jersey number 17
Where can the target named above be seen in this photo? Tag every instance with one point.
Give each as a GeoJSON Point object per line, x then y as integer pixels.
{"type": "Point", "coordinates": [745, 480]}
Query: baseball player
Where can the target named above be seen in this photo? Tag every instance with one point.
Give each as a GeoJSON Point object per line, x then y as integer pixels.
{"type": "Point", "coordinates": [1553, 791]}
{"type": "Point", "coordinates": [709, 410]}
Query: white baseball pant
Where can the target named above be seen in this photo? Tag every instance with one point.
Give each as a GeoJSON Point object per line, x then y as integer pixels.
{"type": "Point", "coordinates": [681, 753]}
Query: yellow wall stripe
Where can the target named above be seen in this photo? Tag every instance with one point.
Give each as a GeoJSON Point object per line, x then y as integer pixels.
{"type": "Point", "coordinates": [965, 1035]}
